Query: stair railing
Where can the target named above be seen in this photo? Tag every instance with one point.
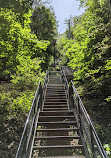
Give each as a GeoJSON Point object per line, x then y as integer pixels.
{"type": "Point", "coordinates": [25, 144]}
{"type": "Point", "coordinates": [90, 140]}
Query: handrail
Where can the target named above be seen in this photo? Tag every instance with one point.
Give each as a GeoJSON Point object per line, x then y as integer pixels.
{"type": "Point", "coordinates": [24, 148]}
{"type": "Point", "coordinates": [67, 68]}
{"type": "Point", "coordinates": [92, 145]}
{"type": "Point", "coordinates": [95, 142]}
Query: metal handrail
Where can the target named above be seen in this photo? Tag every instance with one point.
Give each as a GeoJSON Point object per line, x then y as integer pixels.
{"type": "Point", "coordinates": [25, 144]}
{"type": "Point", "coordinates": [92, 145]}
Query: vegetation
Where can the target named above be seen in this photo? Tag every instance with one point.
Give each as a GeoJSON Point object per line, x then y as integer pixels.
{"type": "Point", "coordinates": [23, 55]}
{"type": "Point", "coordinates": [44, 26]}
{"type": "Point", "coordinates": [26, 49]}
{"type": "Point", "coordinates": [88, 52]}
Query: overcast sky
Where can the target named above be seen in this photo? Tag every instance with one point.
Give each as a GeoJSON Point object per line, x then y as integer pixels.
{"type": "Point", "coordinates": [64, 9]}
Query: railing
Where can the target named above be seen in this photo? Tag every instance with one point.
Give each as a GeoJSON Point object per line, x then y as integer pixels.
{"type": "Point", "coordinates": [90, 140]}
{"type": "Point", "coordinates": [26, 141]}
{"type": "Point", "coordinates": [67, 69]}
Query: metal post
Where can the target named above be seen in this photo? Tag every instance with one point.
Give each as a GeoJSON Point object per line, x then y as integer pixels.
{"type": "Point", "coordinates": [41, 97]}
{"type": "Point", "coordinates": [110, 5]}
{"type": "Point", "coordinates": [92, 143]}
{"type": "Point", "coordinates": [54, 41]}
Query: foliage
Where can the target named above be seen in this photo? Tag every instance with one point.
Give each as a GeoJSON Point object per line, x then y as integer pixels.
{"type": "Point", "coordinates": [22, 56]}
{"type": "Point", "coordinates": [16, 43]}
{"type": "Point", "coordinates": [61, 43]}
{"type": "Point", "coordinates": [108, 149]}
{"type": "Point", "coordinates": [43, 24]}
{"type": "Point", "coordinates": [89, 54]}
{"type": "Point", "coordinates": [28, 74]}
{"type": "Point", "coordinates": [89, 51]}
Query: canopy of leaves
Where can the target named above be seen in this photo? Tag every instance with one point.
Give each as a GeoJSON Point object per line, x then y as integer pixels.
{"type": "Point", "coordinates": [44, 23]}
{"type": "Point", "coordinates": [90, 49]}
{"type": "Point", "coordinates": [16, 42]}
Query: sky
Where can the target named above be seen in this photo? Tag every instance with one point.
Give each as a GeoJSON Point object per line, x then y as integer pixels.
{"type": "Point", "coordinates": [64, 9]}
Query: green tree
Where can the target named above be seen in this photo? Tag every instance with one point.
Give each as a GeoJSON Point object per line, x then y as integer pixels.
{"type": "Point", "coordinates": [89, 51]}
{"type": "Point", "coordinates": [16, 41]}
{"type": "Point", "coordinates": [44, 25]}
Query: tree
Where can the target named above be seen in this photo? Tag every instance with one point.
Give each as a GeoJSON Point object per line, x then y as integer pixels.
{"type": "Point", "coordinates": [44, 23]}
{"type": "Point", "coordinates": [20, 7]}
{"type": "Point", "coordinates": [16, 42]}
{"type": "Point", "coordinates": [89, 50]}
{"type": "Point", "coordinates": [45, 27]}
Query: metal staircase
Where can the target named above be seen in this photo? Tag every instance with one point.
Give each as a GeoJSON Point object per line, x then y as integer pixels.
{"type": "Point", "coordinates": [58, 124]}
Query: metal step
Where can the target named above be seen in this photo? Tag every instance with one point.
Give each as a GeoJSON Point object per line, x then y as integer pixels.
{"type": "Point", "coordinates": [58, 123]}
{"type": "Point", "coordinates": [51, 98]}
{"type": "Point", "coordinates": [55, 85]}
{"type": "Point", "coordinates": [59, 147]}
{"type": "Point", "coordinates": [56, 113]}
{"type": "Point", "coordinates": [56, 100]}
{"type": "Point", "coordinates": [76, 156]}
{"type": "Point", "coordinates": [65, 117]}
{"type": "Point", "coordinates": [55, 95]}
{"type": "Point", "coordinates": [57, 137]}
{"type": "Point", "coordinates": [55, 106]}
{"type": "Point", "coordinates": [55, 90]}
{"type": "Point", "coordinates": [57, 118]}
{"type": "Point", "coordinates": [55, 103]}
{"type": "Point", "coordinates": [53, 109]}
{"type": "Point", "coordinates": [57, 129]}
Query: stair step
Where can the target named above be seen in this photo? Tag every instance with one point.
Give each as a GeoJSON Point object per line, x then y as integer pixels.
{"type": "Point", "coordinates": [55, 106]}
{"type": "Point", "coordinates": [55, 99]}
{"type": "Point", "coordinates": [53, 109]}
{"type": "Point", "coordinates": [56, 113]}
{"type": "Point", "coordinates": [52, 92]}
{"type": "Point", "coordinates": [57, 137]}
{"type": "Point", "coordinates": [55, 118]}
{"type": "Point", "coordinates": [58, 147]}
{"type": "Point", "coordinates": [67, 117]}
{"type": "Point", "coordinates": [55, 85]}
{"type": "Point", "coordinates": [57, 129]}
{"type": "Point", "coordinates": [55, 95]}
{"type": "Point", "coordinates": [54, 81]}
{"type": "Point", "coordinates": [55, 90]}
{"type": "Point", "coordinates": [55, 103]}
{"type": "Point", "coordinates": [58, 123]}
{"type": "Point", "coordinates": [68, 111]}
{"type": "Point", "coordinates": [76, 156]}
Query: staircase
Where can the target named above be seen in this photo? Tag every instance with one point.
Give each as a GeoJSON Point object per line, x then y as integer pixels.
{"type": "Point", "coordinates": [58, 125]}
{"type": "Point", "coordinates": [57, 133]}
